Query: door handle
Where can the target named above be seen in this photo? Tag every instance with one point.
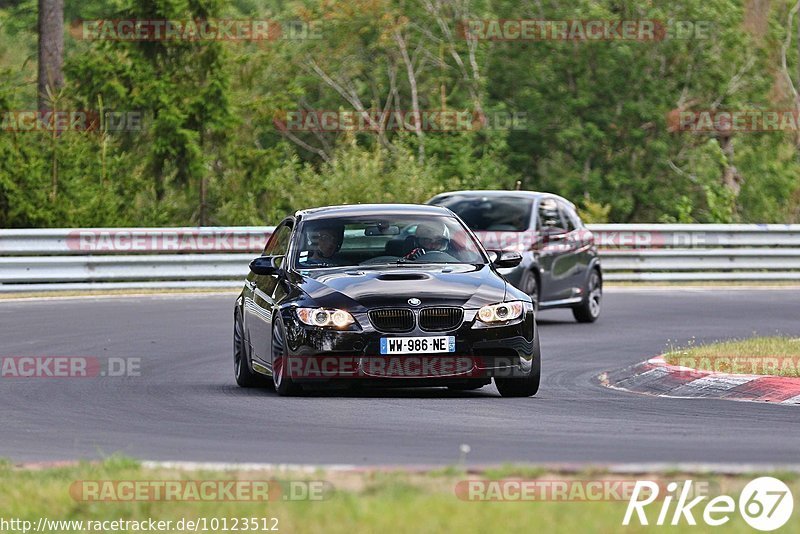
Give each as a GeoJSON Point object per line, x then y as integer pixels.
{"type": "Point", "coordinates": [550, 238]}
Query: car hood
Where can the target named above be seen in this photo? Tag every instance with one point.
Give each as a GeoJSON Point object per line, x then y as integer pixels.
{"type": "Point", "coordinates": [468, 286]}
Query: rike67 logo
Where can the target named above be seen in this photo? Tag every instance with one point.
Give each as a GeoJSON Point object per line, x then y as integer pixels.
{"type": "Point", "coordinates": [765, 504]}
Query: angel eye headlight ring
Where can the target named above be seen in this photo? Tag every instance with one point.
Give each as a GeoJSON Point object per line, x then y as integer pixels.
{"type": "Point", "coordinates": [501, 312]}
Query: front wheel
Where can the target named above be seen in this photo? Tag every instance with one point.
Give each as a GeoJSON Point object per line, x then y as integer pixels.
{"type": "Point", "coordinates": [245, 377]}
{"type": "Point", "coordinates": [525, 386]}
{"type": "Point", "coordinates": [589, 310]}
{"type": "Point", "coordinates": [281, 370]}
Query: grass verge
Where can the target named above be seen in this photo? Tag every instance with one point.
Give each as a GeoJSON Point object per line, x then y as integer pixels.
{"type": "Point", "coordinates": [357, 501]}
{"type": "Point", "coordinates": [775, 355]}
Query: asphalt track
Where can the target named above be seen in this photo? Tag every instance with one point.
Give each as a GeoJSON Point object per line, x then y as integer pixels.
{"type": "Point", "coordinates": [185, 405]}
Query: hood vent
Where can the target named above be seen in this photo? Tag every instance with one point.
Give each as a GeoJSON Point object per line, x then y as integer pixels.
{"type": "Point", "coordinates": [403, 276]}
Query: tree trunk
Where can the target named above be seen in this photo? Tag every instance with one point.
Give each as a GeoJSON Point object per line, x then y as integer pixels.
{"type": "Point", "coordinates": [202, 221]}
{"type": "Point", "coordinates": [51, 51]}
{"type": "Point", "coordinates": [797, 96]}
{"type": "Point", "coordinates": [731, 177]}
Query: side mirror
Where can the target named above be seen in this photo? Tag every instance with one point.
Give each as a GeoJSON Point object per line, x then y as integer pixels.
{"type": "Point", "coordinates": [266, 265]}
{"type": "Point", "coordinates": [505, 260]}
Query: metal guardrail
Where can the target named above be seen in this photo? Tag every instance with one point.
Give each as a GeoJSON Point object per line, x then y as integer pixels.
{"type": "Point", "coordinates": [84, 241]}
{"type": "Point", "coordinates": [699, 252]}
{"type": "Point", "coordinates": [37, 260]}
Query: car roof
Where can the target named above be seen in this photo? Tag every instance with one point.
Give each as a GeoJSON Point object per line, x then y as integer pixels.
{"type": "Point", "coordinates": [531, 195]}
{"type": "Point", "coordinates": [366, 210]}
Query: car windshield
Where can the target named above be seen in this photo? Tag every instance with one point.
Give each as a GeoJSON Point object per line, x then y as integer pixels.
{"type": "Point", "coordinates": [385, 240]}
{"type": "Point", "coordinates": [490, 213]}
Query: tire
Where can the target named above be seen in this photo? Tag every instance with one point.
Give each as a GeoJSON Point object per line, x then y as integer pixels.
{"type": "Point", "coordinates": [530, 285]}
{"type": "Point", "coordinates": [245, 376]}
{"type": "Point", "coordinates": [281, 377]}
{"type": "Point", "coordinates": [589, 310]}
{"type": "Point", "coordinates": [526, 386]}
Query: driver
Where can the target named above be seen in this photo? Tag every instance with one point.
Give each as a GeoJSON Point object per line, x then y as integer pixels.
{"type": "Point", "coordinates": [430, 237]}
{"type": "Point", "coordinates": [328, 241]}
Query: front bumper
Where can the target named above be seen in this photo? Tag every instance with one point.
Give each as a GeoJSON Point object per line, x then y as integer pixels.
{"type": "Point", "coordinates": [481, 352]}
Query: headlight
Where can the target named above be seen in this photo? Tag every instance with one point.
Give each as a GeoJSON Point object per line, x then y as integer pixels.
{"type": "Point", "coordinates": [325, 317]}
{"type": "Point", "coordinates": [500, 313]}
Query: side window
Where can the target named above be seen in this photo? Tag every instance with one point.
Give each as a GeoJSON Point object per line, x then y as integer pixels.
{"type": "Point", "coordinates": [278, 243]}
{"type": "Point", "coordinates": [570, 218]}
{"type": "Point", "coordinates": [550, 216]}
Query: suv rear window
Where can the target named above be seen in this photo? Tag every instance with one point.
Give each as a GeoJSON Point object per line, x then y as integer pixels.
{"type": "Point", "coordinates": [490, 213]}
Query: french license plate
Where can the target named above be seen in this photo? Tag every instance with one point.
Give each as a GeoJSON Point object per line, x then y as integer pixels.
{"type": "Point", "coordinates": [417, 345]}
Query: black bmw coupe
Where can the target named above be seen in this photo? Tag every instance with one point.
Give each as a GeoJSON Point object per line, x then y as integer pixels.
{"type": "Point", "coordinates": [385, 294]}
